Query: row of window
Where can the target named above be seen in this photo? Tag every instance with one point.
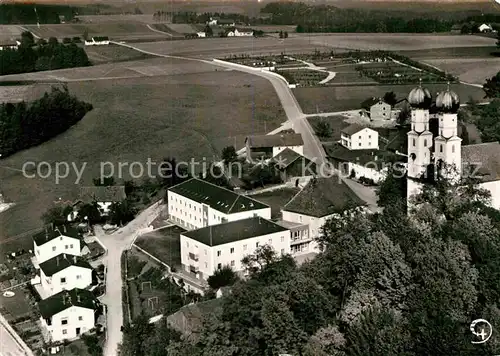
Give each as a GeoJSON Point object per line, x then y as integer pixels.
{"type": "Point", "coordinates": [219, 218]}
{"type": "Point", "coordinates": [440, 146]}
{"type": "Point", "coordinates": [219, 265]}
{"type": "Point", "coordinates": [64, 321]}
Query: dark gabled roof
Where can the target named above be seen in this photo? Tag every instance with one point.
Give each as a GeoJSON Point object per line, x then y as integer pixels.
{"type": "Point", "coordinates": [218, 198]}
{"type": "Point", "coordinates": [322, 197]}
{"type": "Point", "coordinates": [67, 299]}
{"type": "Point", "coordinates": [278, 140]}
{"type": "Point", "coordinates": [93, 194]}
{"type": "Point", "coordinates": [286, 158]}
{"type": "Point", "coordinates": [402, 104]}
{"type": "Point", "coordinates": [220, 234]}
{"type": "Point", "coordinates": [100, 38]}
{"type": "Point", "coordinates": [62, 261]}
{"type": "Point", "coordinates": [226, 21]}
{"type": "Point", "coordinates": [484, 155]}
{"type": "Point", "coordinates": [8, 43]}
{"type": "Point", "coordinates": [353, 129]}
{"type": "Point", "coordinates": [51, 233]}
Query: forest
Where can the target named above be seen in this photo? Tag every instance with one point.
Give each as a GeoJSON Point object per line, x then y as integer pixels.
{"type": "Point", "coordinates": [25, 125]}
{"type": "Point", "coordinates": [11, 14]}
{"type": "Point", "coordinates": [384, 284]}
{"type": "Point", "coordinates": [42, 55]}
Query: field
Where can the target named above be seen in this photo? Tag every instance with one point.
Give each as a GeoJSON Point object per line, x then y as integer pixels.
{"type": "Point", "coordinates": [182, 28]}
{"type": "Point", "coordinates": [469, 70]}
{"type": "Point", "coordinates": [452, 52]}
{"type": "Point", "coordinates": [10, 32]}
{"type": "Point", "coordinates": [113, 53]}
{"type": "Point", "coordinates": [136, 119]}
{"type": "Point", "coordinates": [276, 199]}
{"type": "Point", "coordinates": [163, 244]}
{"type": "Point", "coordinates": [340, 98]}
{"type": "Point", "coordinates": [114, 30]}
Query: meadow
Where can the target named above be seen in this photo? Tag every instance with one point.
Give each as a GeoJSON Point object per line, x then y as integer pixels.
{"type": "Point", "coordinates": [113, 53]}
{"type": "Point", "coordinates": [341, 98]}
{"type": "Point", "coordinates": [10, 32]}
{"type": "Point", "coordinates": [185, 116]}
{"type": "Point", "coordinates": [469, 70]}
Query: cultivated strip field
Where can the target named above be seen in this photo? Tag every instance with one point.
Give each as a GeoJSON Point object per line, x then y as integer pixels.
{"type": "Point", "coordinates": [136, 119]}
{"type": "Point", "coordinates": [113, 53]}
{"type": "Point", "coordinates": [182, 28]}
{"type": "Point", "coordinates": [97, 19]}
{"type": "Point", "coordinates": [10, 32]}
{"type": "Point", "coordinates": [114, 30]}
{"type": "Point", "coordinates": [469, 70]}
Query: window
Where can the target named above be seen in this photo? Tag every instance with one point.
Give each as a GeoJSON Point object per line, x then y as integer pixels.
{"type": "Point", "coordinates": [63, 280]}
{"type": "Point", "coordinates": [369, 136]}
{"type": "Point", "coordinates": [218, 253]}
{"type": "Point", "coordinates": [256, 244]}
{"type": "Point", "coordinates": [232, 250]}
{"type": "Point", "coordinates": [38, 252]}
{"type": "Point", "coordinates": [270, 241]}
{"type": "Point", "coordinates": [71, 246]}
{"type": "Point", "coordinates": [206, 265]}
{"type": "Point", "coordinates": [244, 247]}
{"type": "Point", "coordinates": [414, 142]}
{"type": "Point", "coordinates": [80, 318]}
{"type": "Point", "coordinates": [205, 252]}
{"type": "Point", "coordinates": [219, 266]}
{"type": "Point", "coordinates": [64, 331]}
{"type": "Point", "coordinates": [79, 277]}
{"type": "Point", "coordinates": [369, 143]}
{"type": "Point", "coordinates": [232, 263]}
{"type": "Point", "coordinates": [65, 247]}
{"type": "Point", "coordinates": [359, 144]}
{"type": "Point", "coordinates": [425, 143]}
{"type": "Point", "coordinates": [440, 148]}
{"type": "Point", "coordinates": [360, 137]}
{"type": "Point", "coordinates": [282, 251]}
{"type": "Point", "coordinates": [453, 149]}
{"type": "Point", "coordinates": [300, 218]}
{"type": "Point", "coordinates": [53, 248]}
{"type": "Point", "coordinates": [282, 238]}
{"type": "Point", "coordinates": [187, 244]}
{"type": "Point", "coordinates": [64, 321]}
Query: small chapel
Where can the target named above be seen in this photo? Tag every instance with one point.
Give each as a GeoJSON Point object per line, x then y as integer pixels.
{"type": "Point", "coordinates": [433, 143]}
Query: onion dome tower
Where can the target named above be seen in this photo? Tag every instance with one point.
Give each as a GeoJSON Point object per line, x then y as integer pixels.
{"type": "Point", "coordinates": [448, 146]}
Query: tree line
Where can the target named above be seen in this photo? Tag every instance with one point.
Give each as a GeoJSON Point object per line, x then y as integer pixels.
{"type": "Point", "coordinates": [384, 284]}
{"type": "Point", "coordinates": [20, 13]}
{"type": "Point", "coordinates": [25, 125]}
{"type": "Point", "coordinates": [44, 55]}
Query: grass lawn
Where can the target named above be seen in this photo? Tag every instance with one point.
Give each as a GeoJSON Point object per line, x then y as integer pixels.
{"type": "Point", "coordinates": [452, 52]}
{"type": "Point", "coordinates": [276, 199]}
{"type": "Point", "coordinates": [340, 98]}
{"type": "Point", "coordinates": [163, 244]}
{"type": "Point", "coordinates": [113, 53]}
{"type": "Point", "coordinates": [17, 306]}
{"type": "Point", "coordinates": [184, 116]}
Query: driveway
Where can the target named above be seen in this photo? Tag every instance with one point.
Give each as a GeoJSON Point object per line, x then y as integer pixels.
{"type": "Point", "coordinates": [116, 243]}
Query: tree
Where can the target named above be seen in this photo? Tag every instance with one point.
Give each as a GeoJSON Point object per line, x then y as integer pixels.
{"type": "Point", "coordinates": [85, 34]}
{"type": "Point", "coordinates": [390, 98]}
{"type": "Point", "coordinates": [104, 181]}
{"type": "Point", "coordinates": [392, 190]}
{"type": "Point", "coordinates": [135, 337]}
{"type": "Point", "coordinates": [121, 213]}
{"type": "Point", "coordinates": [281, 34]}
{"type": "Point", "coordinates": [492, 86]}
{"type": "Point", "coordinates": [208, 31]}
{"type": "Point", "coordinates": [222, 277]}
{"type": "Point", "coordinates": [27, 39]}
{"type": "Point", "coordinates": [229, 154]}
{"type": "Point", "coordinates": [89, 213]}
{"type": "Point", "coordinates": [299, 29]}
{"type": "Point", "coordinates": [285, 34]}
{"type": "Point", "coordinates": [323, 129]}
{"type": "Point", "coordinates": [57, 215]}
{"type": "Point", "coordinates": [53, 42]}
{"type": "Point", "coordinates": [172, 172]}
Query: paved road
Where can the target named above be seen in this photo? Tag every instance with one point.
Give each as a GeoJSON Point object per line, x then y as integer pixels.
{"type": "Point", "coordinates": [116, 243]}
{"type": "Point", "coordinates": [10, 343]}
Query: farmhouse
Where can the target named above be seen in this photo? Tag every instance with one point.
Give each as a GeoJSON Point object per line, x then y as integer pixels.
{"type": "Point", "coordinates": [9, 45]}
{"type": "Point", "coordinates": [97, 41]}
{"type": "Point", "coordinates": [226, 22]}
{"type": "Point", "coordinates": [104, 196]}
{"type": "Point", "coordinates": [485, 28]}
{"type": "Point", "coordinates": [201, 34]}
{"type": "Point", "coordinates": [357, 137]}
{"type": "Point", "coordinates": [268, 146]}
{"type": "Point", "coordinates": [210, 248]}
{"type": "Point", "coordinates": [64, 272]}
{"type": "Point", "coordinates": [436, 145]}
{"type": "Point", "coordinates": [239, 33]}
{"type": "Point", "coordinates": [68, 314]}
{"type": "Point", "coordinates": [307, 212]}
{"type": "Point", "coordinates": [213, 21]}
{"type": "Point", "coordinates": [291, 164]}
{"type": "Point", "coordinates": [195, 203]}
{"type": "Point", "coordinates": [53, 241]}
{"type": "Point", "coordinates": [376, 109]}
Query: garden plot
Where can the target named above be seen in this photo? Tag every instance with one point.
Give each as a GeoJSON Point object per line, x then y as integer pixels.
{"type": "Point", "coordinates": [303, 77]}
{"type": "Point", "coordinates": [396, 73]}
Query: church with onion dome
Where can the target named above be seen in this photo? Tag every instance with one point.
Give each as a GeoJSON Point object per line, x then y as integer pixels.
{"type": "Point", "coordinates": [434, 145]}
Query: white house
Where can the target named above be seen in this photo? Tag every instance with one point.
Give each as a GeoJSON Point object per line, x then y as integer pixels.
{"type": "Point", "coordinates": [485, 28]}
{"type": "Point", "coordinates": [68, 314]}
{"type": "Point", "coordinates": [308, 210]}
{"type": "Point", "coordinates": [239, 33]}
{"type": "Point", "coordinates": [195, 203]}
{"type": "Point", "coordinates": [376, 109]}
{"type": "Point", "coordinates": [268, 146]}
{"type": "Point", "coordinates": [9, 44]}
{"type": "Point", "coordinates": [357, 137]}
{"type": "Point", "coordinates": [97, 41]}
{"type": "Point", "coordinates": [65, 272]}
{"type": "Point", "coordinates": [53, 241]}
{"type": "Point", "coordinates": [207, 249]}
{"type": "Point", "coordinates": [213, 21]}
{"type": "Point", "coordinates": [104, 196]}
{"type": "Point", "coordinates": [201, 34]}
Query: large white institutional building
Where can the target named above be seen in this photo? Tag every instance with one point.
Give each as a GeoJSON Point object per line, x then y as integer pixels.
{"type": "Point", "coordinates": [430, 152]}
